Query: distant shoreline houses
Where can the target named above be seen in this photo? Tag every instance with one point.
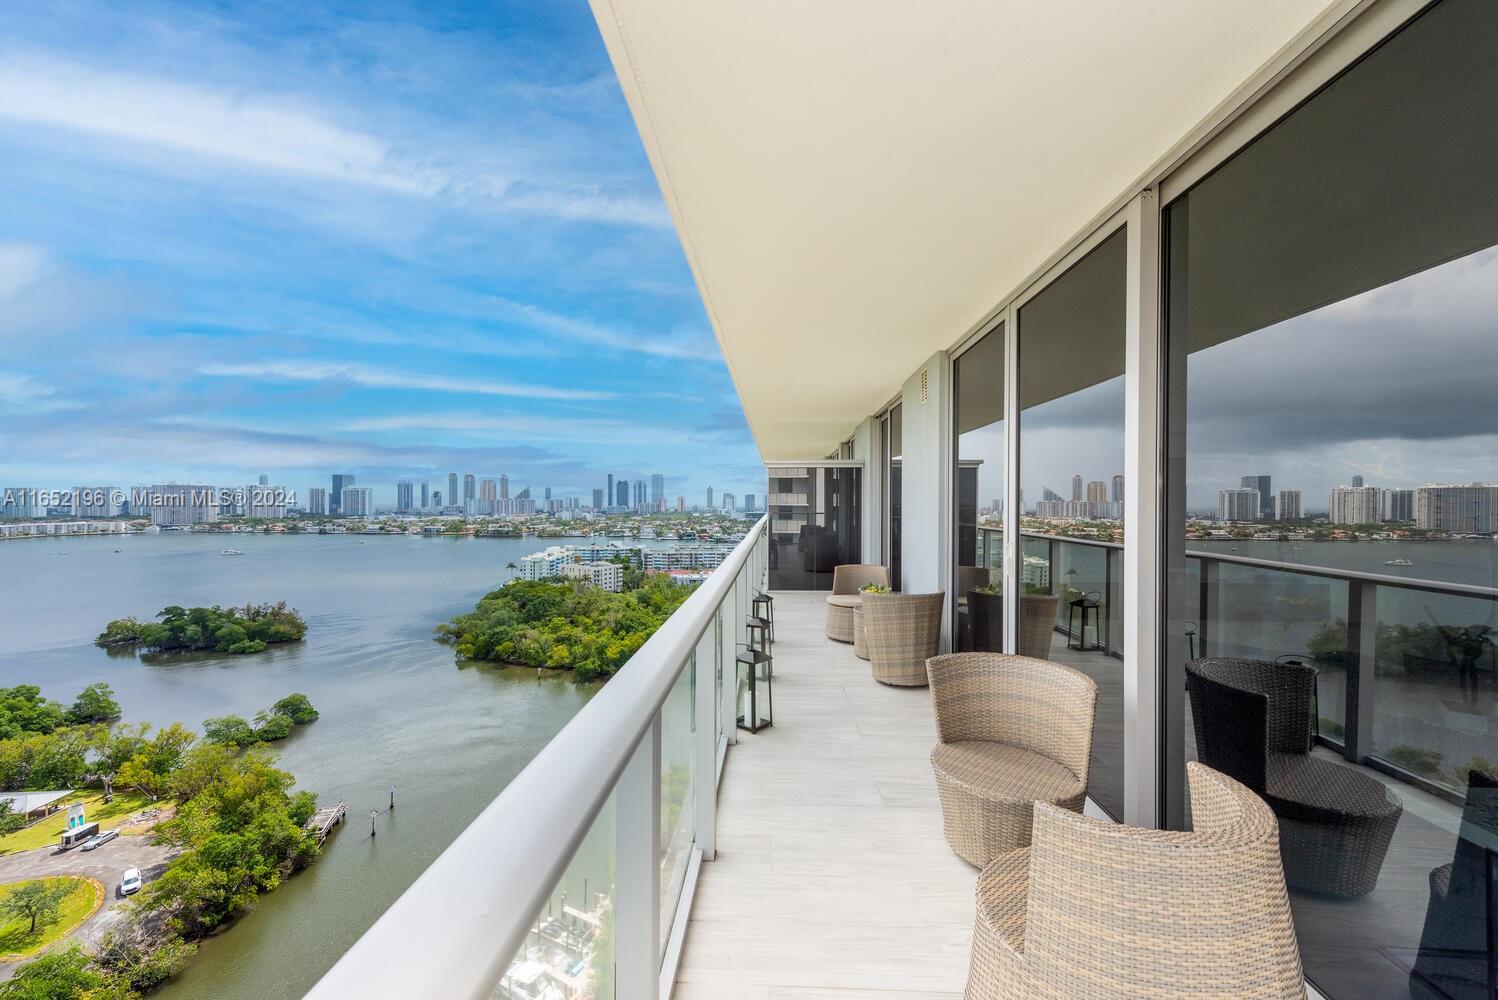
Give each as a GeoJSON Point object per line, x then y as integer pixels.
{"type": "Point", "coordinates": [601, 563]}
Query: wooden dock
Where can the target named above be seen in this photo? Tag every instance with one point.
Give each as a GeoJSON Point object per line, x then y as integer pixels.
{"type": "Point", "coordinates": [322, 822]}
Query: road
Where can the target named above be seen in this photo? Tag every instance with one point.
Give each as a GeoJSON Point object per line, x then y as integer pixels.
{"type": "Point", "coordinates": [106, 864]}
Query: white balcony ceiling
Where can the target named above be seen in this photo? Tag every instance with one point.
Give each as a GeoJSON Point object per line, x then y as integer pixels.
{"type": "Point", "coordinates": [857, 183]}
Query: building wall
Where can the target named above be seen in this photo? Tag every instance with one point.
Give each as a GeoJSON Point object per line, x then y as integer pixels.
{"type": "Point", "coordinates": [926, 480]}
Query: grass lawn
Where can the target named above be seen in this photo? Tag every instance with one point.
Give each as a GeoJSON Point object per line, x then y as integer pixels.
{"type": "Point", "coordinates": [50, 830]}
{"type": "Point", "coordinates": [16, 939]}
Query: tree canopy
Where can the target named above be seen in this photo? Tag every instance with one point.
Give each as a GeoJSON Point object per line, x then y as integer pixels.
{"type": "Point", "coordinates": [565, 625]}
{"type": "Point", "coordinates": [249, 629]}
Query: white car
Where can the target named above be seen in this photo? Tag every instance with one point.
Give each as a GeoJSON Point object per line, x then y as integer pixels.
{"type": "Point", "coordinates": [100, 840]}
{"type": "Point", "coordinates": [130, 882]}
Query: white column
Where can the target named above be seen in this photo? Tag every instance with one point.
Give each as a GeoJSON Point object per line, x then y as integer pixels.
{"type": "Point", "coordinates": [926, 482]}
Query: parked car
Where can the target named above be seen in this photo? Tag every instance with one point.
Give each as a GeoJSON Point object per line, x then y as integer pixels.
{"type": "Point", "coordinates": [100, 840]}
{"type": "Point", "coordinates": [130, 881]}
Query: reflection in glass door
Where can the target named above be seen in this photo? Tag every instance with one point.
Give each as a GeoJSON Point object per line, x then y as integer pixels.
{"type": "Point", "coordinates": [979, 496]}
{"type": "Point", "coordinates": [1071, 459]}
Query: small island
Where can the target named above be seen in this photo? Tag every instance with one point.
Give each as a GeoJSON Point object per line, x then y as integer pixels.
{"type": "Point", "coordinates": [565, 624]}
{"type": "Point", "coordinates": [249, 629]}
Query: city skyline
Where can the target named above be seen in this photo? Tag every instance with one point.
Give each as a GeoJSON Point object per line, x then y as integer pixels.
{"type": "Point", "coordinates": [262, 261]}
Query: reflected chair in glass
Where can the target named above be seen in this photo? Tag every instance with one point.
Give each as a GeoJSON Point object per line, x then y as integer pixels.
{"type": "Point", "coordinates": [1090, 603]}
{"type": "Point", "coordinates": [1256, 722]}
{"type": "Point", "coordinates": [1454, 960]}
{"type": "Point", "coordinates": [1094, 909]}
{"type": "Point", "coordinates": [902, 631]}
{"type": "Point", "coordinates": [755, 678]}
{"type": "Point", "coordinates": [1037, 623]}
{"type": "Point", "coordinates": [847, 584]}
{"type": "Point", "coordinates": [1013, 731]}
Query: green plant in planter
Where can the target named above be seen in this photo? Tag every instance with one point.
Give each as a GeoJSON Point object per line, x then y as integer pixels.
{"type": "Point", "coordinates": [989, 588]}
{"type": "Point", "coordinates": [874, 588]}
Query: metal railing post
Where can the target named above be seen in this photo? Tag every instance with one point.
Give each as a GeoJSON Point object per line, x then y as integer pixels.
{"type": "Point", "coordinates": [1208, 631]}
{"type": "Point", "coordinates": [637, 866]}
{"type": "Point", "coordinates": [1362, 657]}
{"type": "Point", "coordinates": [705, 763]}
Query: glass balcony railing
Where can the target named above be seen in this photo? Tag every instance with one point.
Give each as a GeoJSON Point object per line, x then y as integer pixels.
{"type": "Point", "coordinates": [576, 881]}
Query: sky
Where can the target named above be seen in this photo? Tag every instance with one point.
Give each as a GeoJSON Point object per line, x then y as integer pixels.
{"type": "Point", "coordinates": [392, 239]}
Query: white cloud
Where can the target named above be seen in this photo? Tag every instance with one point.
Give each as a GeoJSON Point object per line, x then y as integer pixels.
{"type": "Point", "coordinates": [681, 344]}
{"type": "Point", "coordinates": [383, 378]}
{"type": "Point", "coordinates": [521, 427]}
{"type": "Point", "coordinates": [21, 265]}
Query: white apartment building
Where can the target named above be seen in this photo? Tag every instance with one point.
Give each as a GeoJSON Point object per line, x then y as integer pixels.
{"type": "Point", "coordinates": [1463, 510]}
{"type": "Point", "coordinates": [98, 501]}
{"type": "Point", "coordinates": [547, 563]}
{"type": "Point", "coordinates": [1238, 505]}
{"type": "Point", "coordinates": [358, 501]}
{"type": "Point", "coordinates": [317, 500]}
{"type": "Point", "coordinates": [175, 504]}
{"type": "Point", "coordinates": [1287, 505]}
{"type": "Point", "coordinates": [1356, 505]}
{"type": "Point", "coordinates": [609, 576]}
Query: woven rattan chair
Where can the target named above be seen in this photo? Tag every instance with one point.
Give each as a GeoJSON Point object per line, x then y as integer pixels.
{"type": "Point", "coordinates": [902, 631]}
{"type": "Point", "coordinates": [860, 635]}
{"type": "Point", "coordinates": [1097, 911]}
{"type": "Point", "coordinates": [847, 581]}
{"type": "Point", "coordinates": [1037, 623]}
{"type": "Point", "coordinates": [1255, 721]}
{"type": "Point", "coordinates": [1014, 731]}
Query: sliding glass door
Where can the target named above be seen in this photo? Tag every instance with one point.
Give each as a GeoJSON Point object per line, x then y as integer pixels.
{"type": "Point", "coordinates": [1332, 508]}
{"type": "Point", "coordinates": [978, 492]}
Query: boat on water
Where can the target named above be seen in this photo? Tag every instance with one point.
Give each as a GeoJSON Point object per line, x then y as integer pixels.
{"type": "Point", "coordinates": [231, 552]}
{"type": "Point", "coordinates": [1398, 562]}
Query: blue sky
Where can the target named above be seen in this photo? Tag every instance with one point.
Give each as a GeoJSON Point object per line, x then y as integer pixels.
{"type": "Point", "coordinates": [394, 239]}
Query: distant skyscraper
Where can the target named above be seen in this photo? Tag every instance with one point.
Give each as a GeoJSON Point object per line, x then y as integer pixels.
{"type": "Point", "coordinates": [1356, 505]}
{"type": "Point", "coordinates": [468, 487]}
{"type": "Point", "coordinates": [598, 499]}
{"type": "Point", "coordinates": [709, 498]}
{"type": "Point", "coordinates": [335, 495]}
{"type": "Point", "coordinates": [1357, 480]}
{"type": "Point", "coordinates": [1287, 506]}
{"type": "Point", "coordinates": [317, 500]}
{"type": "Point", "coordinates": [1401, 504]}
{"type": "Point", "coordinates": [264, 480]}
{"type": "Point", "coordinates": [608, 491]}
{"type": "Point", "coordinates": [1097, 491]}
{"type": "Point", "coordinates": [639, 493]}
{"type": "Point", "coordinates": [1118, 488]}
{"type": "Point", "coordinates": [1237, 505]}
{"type": "Point", "coordinates": [1462, 510]}
{"type": "Point", "coordinates": [1076, 487]}
{"type": "Point", "coordinates": [729, 502]}
{"type": "Point", "coordinates": [488, 497]}
{"type": "Point", "coordinates": [681, 503]}
{"type": "Point", "coordinates": [749, 502]}
{"type": "Point", "coordinates": [426, 496]}
{"type": "Point", "coordinates": [437, 499]}
{"type": "Point", "coordinates": [621, 495]}
{"type": "Point", "coordinates": [1046, 493]}
{"type": "Point", "coordinates": [358, 501]}
{"type": "Point", "coordinates": [657, 487]}
{"type": "Point", "coordinates": [452, 488]}
{"type": "Point", "coordinates": [548, 493]}
{"type": "Point", "coordinates": [1266, 496]}
{"type": "Point", "coordinates": [405, 496]}
{"type": "Point", "coordinates": [504, 487]}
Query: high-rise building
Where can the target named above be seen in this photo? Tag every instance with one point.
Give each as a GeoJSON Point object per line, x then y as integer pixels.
{"type": "Point", "coordinates": [1356, 505]}
{"type": "Point", "coordinates": [1097, 491]}
{"type": "Point", "coordinates": [609, 490]}
{"type": "Point", "coordinates": [681, 504]}
{"type": "Point", "coordinates": [504, 487]}
{"type": "Point", "coordinates": [335, 495]}
{"type": "Point", "coordinates": [264, 479]}
{"type": "Point", "coordinates": [657, 487]}
{"type": "Point", "coordinates": [1076, 487]}
{"type": "Point", "coordinates": [437, 499]}
{"type": "Point", "coordinates": [468, 487]}
{"type": "Point", "coordinates": [1266, 496]}
{"type": "Point", "coordinates": [621, 497]}
{"type": "Point", "coordinates": [639, 491]}
{"type": "Point", "coordinates": [452, 487]}
{"type": "Point", "coordinates": [1401, 504]}
{"type": "Point", "coordinates": [548, 493]}
{"type": "Point", "coordinates": [1287, 506]}
{"type": "Point", "coordinates": [1461, 510]}
{"type": "Point", "coordinates": [1237, 505]}
{"type": "Point", "coordinates": [317, 500]}
{"type": "Point", "coordinates": [97, 501]}
{"type": "Point", "coordinates": [18, 501]}
{"type": "Point", "coordinates": [176, 504]}
{"type": "Point", "coordinates": [405, 496]}
{"type": "Point", "coordinates": [1357, 480]}
{"type": "Point", "coordinates": [358, 501]}
{"type": "Point", "coordinates": [728, 502]}
{"type": "Point", "coordinates": [709, 498]}
{"type": "Point", "coordinates": [749, 502]}
{"type": "Point", "coordinates": [1048, 494]}
{"type": "Point", "coordinates": [426, 496]}
{"type": "Point", "coordinates": [597, 499]}
{"type": "Point", "coordinates": [488, 491]}
{"type": "Point", "coordinates": [1118, 489]}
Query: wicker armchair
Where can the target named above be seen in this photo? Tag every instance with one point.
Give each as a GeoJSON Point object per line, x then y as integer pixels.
{"type": "Point", "coordinates": [1256, 722]}
{"type": "Point", "coordinates": [1037, 623]}
{"type": "Point", "coordinates": [902, 632]}
{"type": "Point", "coordinates": [1094, 910]}
{"type": "Point", "coordinates": [1014, 731]}
{"type": "Point", "coordinates": [847, 582]}
{"type": "Point", "coordinates": [1452, 963]}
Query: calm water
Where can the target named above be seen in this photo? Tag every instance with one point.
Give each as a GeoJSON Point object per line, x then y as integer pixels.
{"type": "Point", "coordinates": [395, 709]}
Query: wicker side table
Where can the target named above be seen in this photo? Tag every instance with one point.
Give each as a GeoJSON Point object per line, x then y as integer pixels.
{"type": "Point", "coordinates": [860, 635]}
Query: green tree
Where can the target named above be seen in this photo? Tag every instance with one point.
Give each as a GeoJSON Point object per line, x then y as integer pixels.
{"type": "Point", "coordinates": [297, 707]}
{"type": "Point", "coordinates": [94, 703]}
{"type": "Point", "coordinates": [65, 974]}
{"type": "Point", "coordinates": [228, 730]}
{"type": "Point", "coordinates": [24, 710]}
{"type": "Point", "coordinates": [39, 901]}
